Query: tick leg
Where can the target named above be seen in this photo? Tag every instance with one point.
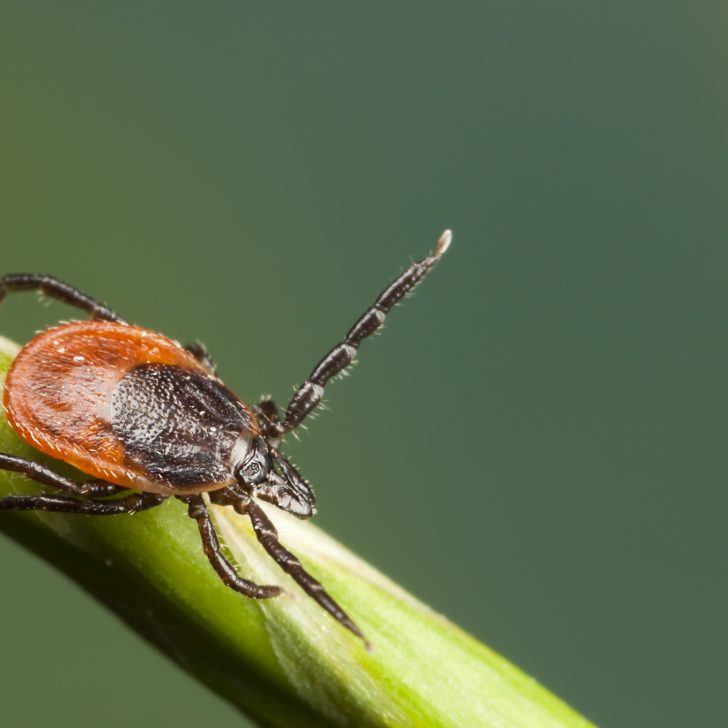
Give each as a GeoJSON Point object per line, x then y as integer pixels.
{"type": "Point", "coordinates": [42, 474]}
{"type": "Point", "coordinates": [199, 351]}
{"type": "Point", "coordinates": [268, 536]}
{"type": "Point", "coordinates": [309, 394]}
{"type": "Point", "coordinates": [54, 288]}
{"type": "Point", "coordinates": [269, 417]}
{"type": "Point", "coordinates": [211, 547]}
{"type": "Point", "coordinates": [60, 504]}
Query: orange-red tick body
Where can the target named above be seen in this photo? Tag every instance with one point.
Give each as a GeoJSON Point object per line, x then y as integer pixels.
{"type": "Point", "coordinates": [128, 406]}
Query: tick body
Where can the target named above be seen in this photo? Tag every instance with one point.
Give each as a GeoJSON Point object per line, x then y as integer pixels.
{"type": "Point", "coordinates": [130, 407]}
{"type": "Point", "coordinates": [149, 419]}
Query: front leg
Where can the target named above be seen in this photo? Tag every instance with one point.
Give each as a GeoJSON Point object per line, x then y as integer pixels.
{"type": "Point", "coordinates": [211, 546]}
{"type": "Point", "coordinates": [308, 396]}
{"type": "Point", "coordinates": [269, 418]}
{"type": "Point", "coordinates": [267, 535]}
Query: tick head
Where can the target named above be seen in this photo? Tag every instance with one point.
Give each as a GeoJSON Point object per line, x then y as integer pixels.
{"type": "Point", "coordinates": [256, 466]}
{"type": "Point", "coordinates": [264, 472]}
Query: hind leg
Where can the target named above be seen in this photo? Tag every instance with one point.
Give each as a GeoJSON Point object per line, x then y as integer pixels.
{"type": "Point", "coordinates": [50, 286]}
{"type": "Point", "coordinates": [62, 504]}
{"type": "Point", "coordinates": [42, 474]}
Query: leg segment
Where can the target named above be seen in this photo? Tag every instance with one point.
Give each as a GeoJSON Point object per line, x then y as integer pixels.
{"type": "Point", "coordinates": [309, 394]}
{"type": "Point", "coordinates": [41, 474]}
{"type": "Point", "coordinates": [54, 288]}
{"type": "Point", "coordinates": [199, 351]}
{"type": "Point", "coordinates": [268, 536]}
{"type": "Point", "coordinates": [269, 418]}
{"type": "Point", "coordinates": [211, 547]}
{"type": "Point", "coordinates": [60, 504]}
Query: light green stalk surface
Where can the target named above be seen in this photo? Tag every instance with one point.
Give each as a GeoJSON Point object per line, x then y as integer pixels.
{"type": "Point", "coordinates": [284, 661]}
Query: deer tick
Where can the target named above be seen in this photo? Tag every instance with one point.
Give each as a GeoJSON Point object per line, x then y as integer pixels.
{"type": "Point", "coordinates": [148, 419]}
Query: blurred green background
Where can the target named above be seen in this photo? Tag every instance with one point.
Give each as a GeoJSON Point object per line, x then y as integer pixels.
{"type": "Point", "coordinates": [536, 445]}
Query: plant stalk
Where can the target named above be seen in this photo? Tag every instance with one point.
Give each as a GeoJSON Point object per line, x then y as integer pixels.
{"type": "Point", "coordinates": [283, 661]}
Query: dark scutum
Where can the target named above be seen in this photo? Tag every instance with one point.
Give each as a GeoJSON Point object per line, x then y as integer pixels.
{"type": "Point", "coordinates": [177, 425]}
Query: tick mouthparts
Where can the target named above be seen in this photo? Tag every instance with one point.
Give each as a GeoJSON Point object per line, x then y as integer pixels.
{"type": "Point", "coordinates": [443, 243]}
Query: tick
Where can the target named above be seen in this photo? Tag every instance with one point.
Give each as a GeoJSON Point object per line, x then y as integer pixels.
{"type": "Point", "coordinates": [148, 419]}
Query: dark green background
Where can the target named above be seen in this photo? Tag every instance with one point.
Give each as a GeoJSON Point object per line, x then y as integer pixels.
{"type": "Point", "coordinates": [536, 446]}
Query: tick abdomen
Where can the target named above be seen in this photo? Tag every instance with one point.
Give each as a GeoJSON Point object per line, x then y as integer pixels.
{"type": "Point", "coordinates": [60, 394]}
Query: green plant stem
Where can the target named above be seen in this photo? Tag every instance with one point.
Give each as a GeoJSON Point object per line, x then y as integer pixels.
{"type": "Point", "coordinates": [283, 662]}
